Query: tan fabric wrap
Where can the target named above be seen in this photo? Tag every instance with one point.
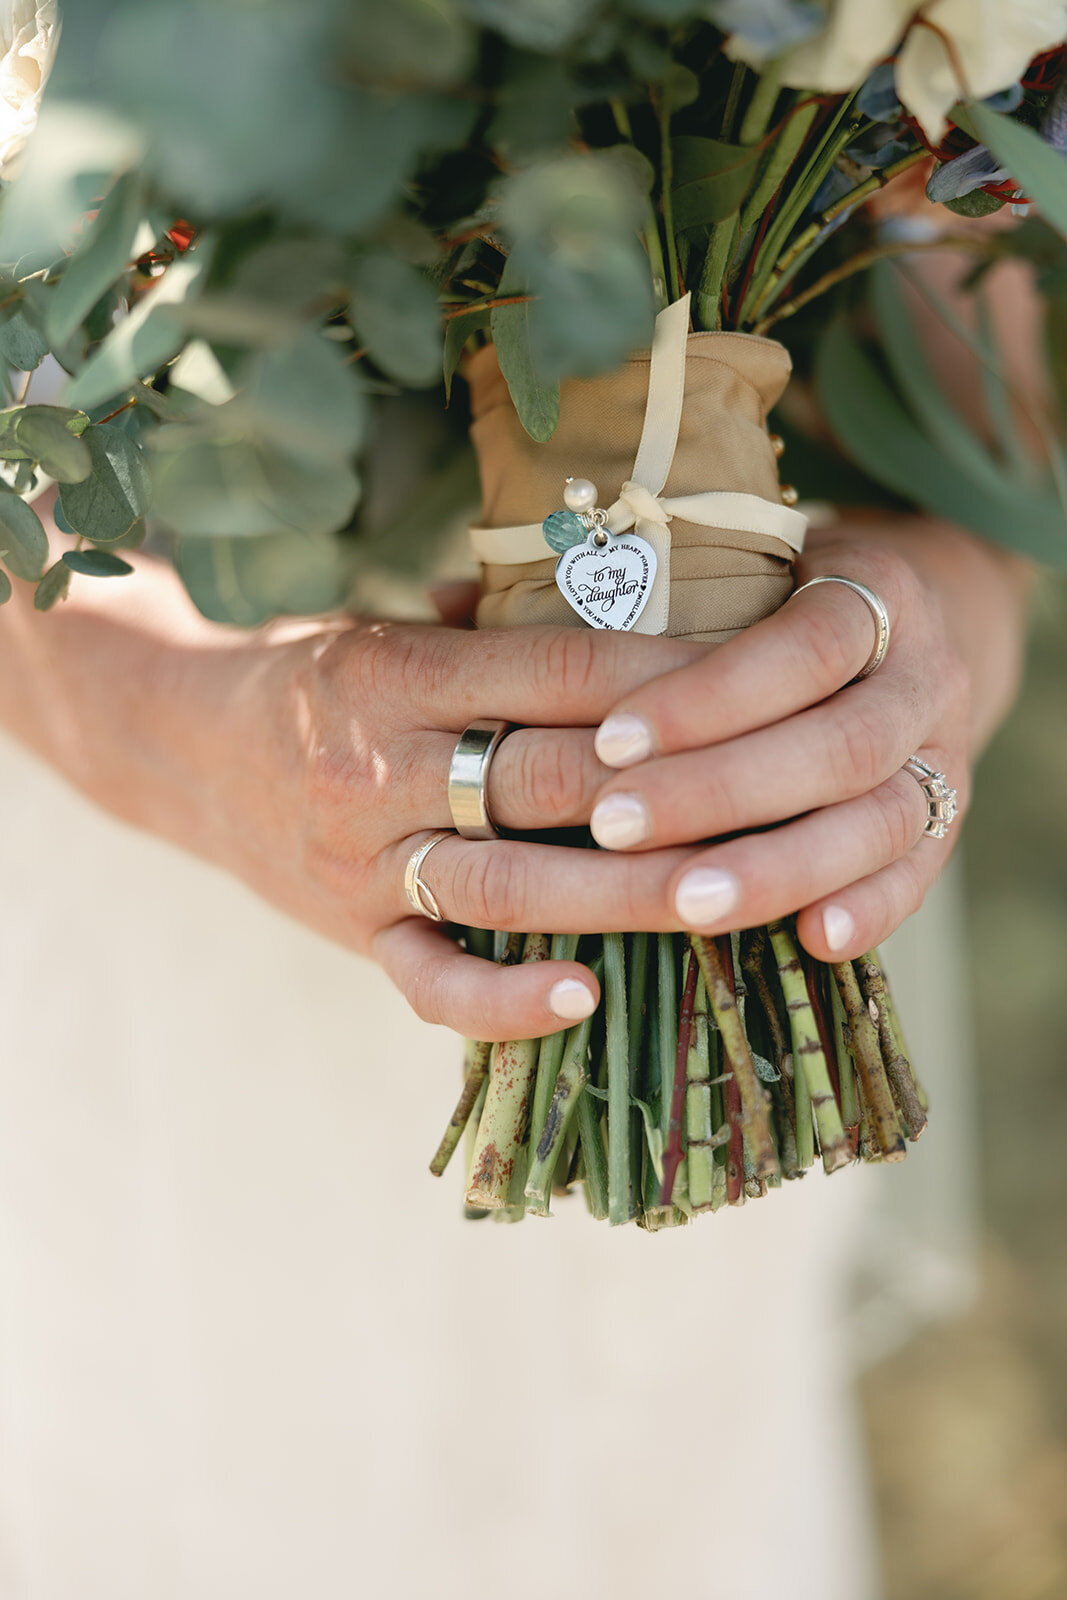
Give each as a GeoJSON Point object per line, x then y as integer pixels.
{"type": "Point", "coordinates": [720, 581]}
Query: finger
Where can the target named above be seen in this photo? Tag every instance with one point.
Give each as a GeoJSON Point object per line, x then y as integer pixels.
{"type": "Point", "coordinates": [478, 998]}
{"type": "Point", "coordinates": [817, 642]}
{"type": "Point", "coordinates": [545, 677]}
{"type": "Point", "coordinates": [455, 601]}
{"type": "Point", "coordinates": [749, 881]}
{"type": "Point", "coordinates": [834, 751]}
{"type": "Point", "coordinates": [538, 778]}
{"type": "Point", "coordinates": [518, 886]}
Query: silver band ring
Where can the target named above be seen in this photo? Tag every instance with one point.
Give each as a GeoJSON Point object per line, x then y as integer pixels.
{"type": "Point", "coordinates": [941, 804]}
{"type": "Point", "coordinates": [468, 774]}
{"type": "Point", "coordinates": [421, 897]}
{"type": "Point", "coordinates": [875, 605]}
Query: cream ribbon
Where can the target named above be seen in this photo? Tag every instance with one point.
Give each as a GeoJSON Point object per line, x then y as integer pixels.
{"type": "Point", "coordinates": [640, 504]}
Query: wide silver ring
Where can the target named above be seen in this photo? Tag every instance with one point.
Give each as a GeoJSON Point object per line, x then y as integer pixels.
{"type": "Point", "coordinates": [941, 804]}
{"type": "Point", "coordinates": [421, 897]}
{"type": "Point", "coordinates": [468, 774]}
{"type": "Point", "coordinates": [876, 606]}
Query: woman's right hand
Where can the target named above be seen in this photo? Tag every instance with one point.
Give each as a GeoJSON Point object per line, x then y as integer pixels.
{"type": "Point", "coordinates": [331, 766]}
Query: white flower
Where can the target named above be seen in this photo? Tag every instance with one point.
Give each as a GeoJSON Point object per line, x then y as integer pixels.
{"type": "Point", "coordinates": [29, 31]}
{"type": "Point", "coordinates": [987, 42]}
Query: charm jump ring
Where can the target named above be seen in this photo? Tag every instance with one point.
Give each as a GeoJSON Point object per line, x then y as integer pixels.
{"type": "Point", "coordinates": [420, 896]}
{"type": "Point", "coordinates": [875, 604]}
{"type": "Point", "coordinates": [468, 775]}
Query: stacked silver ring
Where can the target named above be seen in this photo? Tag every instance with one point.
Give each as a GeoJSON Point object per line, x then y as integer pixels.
{"type": "Point", "coordinates": [941, 804]}
{"type": "Point", "coordinates": [468, 775]}
{"type": "Point", "coordinates": [876, 606]}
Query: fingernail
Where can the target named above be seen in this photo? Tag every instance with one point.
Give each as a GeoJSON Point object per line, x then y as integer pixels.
{"type": "Point", "coordinates": [838, 926]}
{"type": "Point", "coordinates": [623, 739]}
{"type": "Point", "coordinates": [620, 820]}
{"type": "Point", "coordinates": [706, 895]}
{"type": "Point", "coordinates": [571, 1000]}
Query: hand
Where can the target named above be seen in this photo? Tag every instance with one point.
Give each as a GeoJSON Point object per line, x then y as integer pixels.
{"type": "Point", "coordinates": [337, 746]}
{"type": "Point", "coordinates": [764, 734]}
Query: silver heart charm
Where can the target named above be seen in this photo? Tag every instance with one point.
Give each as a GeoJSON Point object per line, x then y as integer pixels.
{"type": "Point", "coordinates": [608, 585]}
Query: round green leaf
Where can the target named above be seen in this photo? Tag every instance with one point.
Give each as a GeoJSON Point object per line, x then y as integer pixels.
{"type": "Point", "coordinates": [396, 317]}
{"type": "Point", "coordinates": [46, 436]}
{"type": "Point", "coordinates": [23, 541]}
{"type": "Point", "coordinates": [96, 563]}
{"type": "Point", "coordinates": [107, 503]}
{"type": "Point", "coordinates": [52, 587]}
{"type": "Point", "coordinates": [5, 588]}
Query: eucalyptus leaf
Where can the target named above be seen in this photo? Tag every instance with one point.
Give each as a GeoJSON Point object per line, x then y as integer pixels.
{"type": "Point", "coordinates": [101, 257]}
{"type": "Point", "coordinates": [23, 541]}
{"type": "Point", "coordinates": [711, 179]}
{"type": "Point", "coordinates": [458, 329]}
{"type": "Point", "coordinates": [876, 430]}
{"type": "Point", "coordinates": [408, 43]}
{"type": "Point", "coordinates": [304, 397]}
{"type": "Point", "coordinates": [397, 318]}
{"type": "Point", "coordinates": [245, 581]}
{"type": "Point", "coordinates": [106, 504]}
{"type": "Point", "coordinates": [150, 335]}
{"type": "Point", "coordinates": [535, 399]}
{"type": "Point", "coordinates": [51, 436]}
{"type": "Point", "coordinates": [52, 587]}
{"type": "Point", "coordinates": [5, 588]}
{"type": "Point", "coordinates": [22, 344]}
{"type": "Point", "coordinates": [96, 563]}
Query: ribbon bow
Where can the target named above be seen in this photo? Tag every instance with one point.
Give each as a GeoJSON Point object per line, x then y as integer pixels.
{"type": "Point", "coordinates": [640, 504]}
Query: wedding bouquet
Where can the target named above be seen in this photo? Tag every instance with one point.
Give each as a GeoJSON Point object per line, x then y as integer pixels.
{"type": "Point", "coordinates": [257, 240]}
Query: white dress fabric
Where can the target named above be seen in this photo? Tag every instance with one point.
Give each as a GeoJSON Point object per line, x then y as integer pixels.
{"type": "Point", "coordinates": [249, 1348]}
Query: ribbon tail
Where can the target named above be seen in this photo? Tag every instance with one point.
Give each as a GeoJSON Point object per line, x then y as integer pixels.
{"type": "Point", "coordinates": [655, 616]}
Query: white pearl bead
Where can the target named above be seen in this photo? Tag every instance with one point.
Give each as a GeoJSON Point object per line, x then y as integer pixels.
{"type": "Point", "coordinates": [579, 494]}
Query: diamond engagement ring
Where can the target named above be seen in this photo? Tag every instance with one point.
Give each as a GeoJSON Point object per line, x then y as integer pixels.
{"type": "Point", "coordinates": [468, 774]}
{"type": "Point", "coordinates": [421, 897]}
{"type": "Point", "coordinates": [876, 606]}
{"type": "Point", "coordinates": [940, 797]}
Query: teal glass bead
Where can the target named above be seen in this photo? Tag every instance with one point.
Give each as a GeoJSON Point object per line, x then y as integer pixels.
{"type": "Point", "coordinates": [563, 530]}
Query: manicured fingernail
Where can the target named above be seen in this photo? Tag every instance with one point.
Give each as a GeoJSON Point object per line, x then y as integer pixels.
{"type": "Point", "coordinates": [620, 820]}
{"type": "Point", "coordinates": [706, 895]}
{"type": "Point", "coordinates": [571, 1000]}
{"type": "Point", "coordinates": [623, 739]}
{"type": "Point", "coordinates": [838, 926]}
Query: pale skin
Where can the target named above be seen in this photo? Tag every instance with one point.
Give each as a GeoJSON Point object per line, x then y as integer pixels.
{"type": "Point", "coordinates": [310, 758]}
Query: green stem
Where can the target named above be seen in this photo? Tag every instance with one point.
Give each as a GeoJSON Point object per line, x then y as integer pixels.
{"type": "Point", "coordinates": [564, 948]}
{"type": "Point", "coordinates": [881, 1112]}
{"type": "Point", "coordinates": [897, 1066]}
{"type": "Point", "coordinates": [620, 1197]}
{"type": "Point", "coordinates": [807, 1049]}
{"type": "Point", "coordinates": [755, 1121]}
{"type": "Point", "coordinates": [699, 1134]}
{"type": "Point", "coordinates": [780, 158]}
{"type": "Point", "coordinates": [850, 1105]}
{"type": "Point", "coordinates": [503, 1120]}
{"type": "Point", "coordinates": [667, 1027]}
{"type": "Point", "coordinates": [480, 943]}
{"type": "Point", "coordinates": [666, 157]}
{"type": "Point", "coordinates": [593, 1157]}
{"type": "Point", "coordinates": [566, 1097]}
{"type": "Point", "coordinates": [761, 106]}
{"type": "Point", "coordinates": [651, 234]}
{"type": "Point", "coordinates": [721, 246]}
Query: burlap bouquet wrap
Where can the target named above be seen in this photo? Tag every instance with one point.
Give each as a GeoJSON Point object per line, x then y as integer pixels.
{"type": "Point", "coordinates": [721, 580]}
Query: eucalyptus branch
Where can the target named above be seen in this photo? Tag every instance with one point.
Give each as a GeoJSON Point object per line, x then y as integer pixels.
{"type": "Point", "coordinates": [861, 262]}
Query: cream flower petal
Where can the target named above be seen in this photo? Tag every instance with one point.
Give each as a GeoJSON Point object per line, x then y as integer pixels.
{"type": "Point", "coordinates": [29, 32]}
{"type": "Point", "coordinates": [994, 42]}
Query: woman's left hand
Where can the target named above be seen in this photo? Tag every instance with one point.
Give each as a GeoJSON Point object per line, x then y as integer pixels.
{"type": "Point", "coordinates": [769, 733]}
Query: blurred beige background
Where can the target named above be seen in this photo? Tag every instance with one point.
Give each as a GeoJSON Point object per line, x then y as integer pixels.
{"type": "Point", "coordinates": [969, 1421]}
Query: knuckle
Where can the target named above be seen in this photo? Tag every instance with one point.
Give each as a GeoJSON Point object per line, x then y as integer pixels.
{"type": "Point", "coordinates": [822, 645]}
{"type": "Point", "coordinates": [489, 885]}
{"type": "Point", "coordinates": [551, 780]}
{"type": "Point", "coordinates": [426, 990]}
{"type": "Point", "coordinates": [563, 662]}
{"type": "Point", "coordinates": [899, 818]}
{"type": "Point", "coordinates": [857, 753]}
